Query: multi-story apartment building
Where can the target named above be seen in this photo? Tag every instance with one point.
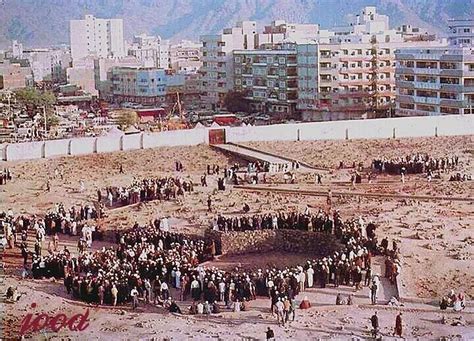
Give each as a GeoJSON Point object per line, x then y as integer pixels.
{"type": "Point", "coordinates": [217, 70]}
{"type": "Point", "coordinates": [151, 51]}
{"type": "Point", "coordinates": [48, 64]}
{"type": "Point", "coordinates": [102, 67]}
{"type": "Point", "coordinates": [82, 75]}
{"type": "Point", "coordinates": [461, 32]}
{"type": "Point", "coordinates": [185, 57]}
{"type": "Point", "coordinates": [98, 37]}
{"type": "Point", "coordinates": [280, 31]}
{"type": "Point", "coordinates": [14, 76]}
{"type": "Point", "coordinates": [138, 85]}
{"type": "Point", "coordinates": [435, 81]}
{"type": "Point", "coordinates": [350, 72]}
{"type": "Point", "coordinates": [268, 78]}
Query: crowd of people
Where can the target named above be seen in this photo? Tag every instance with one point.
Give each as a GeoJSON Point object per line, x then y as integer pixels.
{"type": "Point", "coordinates": [460, 177]}
{"type": "Point", "coordinates": [414, 164]}
{"type": "Point", "coordinates": [165, 188]}
{"type": "Point", "coordinates": [147, 262]}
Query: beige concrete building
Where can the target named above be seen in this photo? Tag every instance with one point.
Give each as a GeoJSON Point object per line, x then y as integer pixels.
{"type": "Point", "coordinates": [350, 72]}
{"type": "Point", "coordinates": [14, 76]}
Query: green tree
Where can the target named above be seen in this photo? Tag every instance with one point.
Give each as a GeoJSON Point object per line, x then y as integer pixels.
{"type": "Point", "coordinates": [34, 99]}
{"type": "Point", "coordinates": [235, 101]}
{"type": "Point", "coordinates": [127, 118]}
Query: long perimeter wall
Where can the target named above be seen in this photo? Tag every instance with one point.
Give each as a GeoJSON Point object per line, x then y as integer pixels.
{"type": "Point", "coordinates": [448, 125]}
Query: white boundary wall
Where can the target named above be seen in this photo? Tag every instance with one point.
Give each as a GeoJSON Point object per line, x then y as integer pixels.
{"type": "Point", "coordinates": [375, 128]}
{"type": "Point", "coordinates": [356, 129]}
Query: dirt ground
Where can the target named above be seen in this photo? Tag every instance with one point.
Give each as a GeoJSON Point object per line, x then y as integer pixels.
{"type": "Point", "coordinates": [435, 238]}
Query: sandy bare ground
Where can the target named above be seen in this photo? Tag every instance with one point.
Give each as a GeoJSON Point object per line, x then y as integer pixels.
{"type": "Point", "coordinates": [435, 238]}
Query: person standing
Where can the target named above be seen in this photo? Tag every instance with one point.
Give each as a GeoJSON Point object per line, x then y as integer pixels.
{"type": "Point", "coordinates": [209, 204]}
{"type": "Point", "coordinates": [374, 320]}
{"type": "Point", "coordinates": [270, 334]}
{"type": "Point", "coordinates": [134, 295]}
{"type": "Point", "coordinates": [310, 276]}
{"type": "Point", "coordinates": [114, 292]}
{"type": "Point", "coordinates": [373, 292]}
{"type": "Point", "coordinates": [398, 325]}
{"type": "Point", "coordinates": [280, 307]}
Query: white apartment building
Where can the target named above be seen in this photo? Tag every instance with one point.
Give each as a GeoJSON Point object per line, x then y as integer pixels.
{"type": "Point", "coordinates": [48, 64]}
{"type": "Point", "coordinates": [217, 68]}
{"type": "Point", "coordinates": [349, 72]}
{"type": "Point", "coordinates": [280, 31]}
{"type": "Point", "coordinates": [97, 37]}
{"type": "Point", "coordinates": [461, 32]}
{"type": "Point", "coordinates": [185, 56]}
{"type": "Point", "coordinates": [435, 81]}
{"type": "Point", "coordinates": [151, 51]}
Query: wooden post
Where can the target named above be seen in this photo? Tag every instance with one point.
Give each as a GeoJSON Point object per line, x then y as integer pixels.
{"type": "Point", "coordinates": [393, 134]}
{"type": "Point", "coordinates": [347, 133]}
{"type": "Point", "coordinates": [436, 131]}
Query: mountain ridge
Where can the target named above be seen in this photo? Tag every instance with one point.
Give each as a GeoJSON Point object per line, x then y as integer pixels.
{"type": "Point", "coordinates": [188, 19]}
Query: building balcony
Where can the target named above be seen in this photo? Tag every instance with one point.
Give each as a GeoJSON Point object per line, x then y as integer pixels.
{"type": "Point", "coordinates": [413, 112]}
{"type": "Point", "coordinates": [404, 84]}
{"type": "Point", "coordinates": [427, 100]}
{"type": "Point", "coordinates": [355, 82]}
{"type": "Point", "coordinates": [426, 71]}
{"type": "Point", "coordinates": [468, 89]}
{"type": "Point", "coordinates": [452, 87]}
{"type": "Point", "coordinates": [404, 56]}
{"type": "Point", "coordinates": [355, 58]}
{"type": "Point", "coordinates": [263, 87]}
{"type": "Point", "coordinates": [457, 103]}
{"type": "Point", "coordinates": [404, 71]}
{"type": "Point", "coordinates": [405, 99]}
{"type": "Point", "coordinates": [386, 93]}
{"type": "Point", "coordinates": [425, 85]}
{"type": "Point", "coordinates": [259, 63]}
{"type": "Point", "coordinates": [451, 58]}
{"type": "Point", "coordinates": [356, 69]}
{"type": "Point", "coordinates": [451, 72]}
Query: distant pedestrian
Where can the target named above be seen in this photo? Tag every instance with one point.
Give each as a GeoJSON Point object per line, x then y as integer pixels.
{"type": "Point", "coordinates": [398, 325]}
{"type": "Point", "coordinates": [374, 320]}
{"type": "Point", "coordinates": [209, 204]}
{"type": "Point", "coordinates": [270, 334]}
{"type": "Point", "coordinates": [134, 295]}
{"type": "Point", "coordinates": [373, 292]}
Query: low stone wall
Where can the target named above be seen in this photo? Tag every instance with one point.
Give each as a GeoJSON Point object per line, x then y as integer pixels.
{"type": "Point", "coordinates": [261, 241]}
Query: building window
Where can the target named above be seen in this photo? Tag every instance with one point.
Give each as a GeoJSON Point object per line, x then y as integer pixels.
{"type": "Point", "coordinates": [281, 60]}
{"type": "Point", "coordinates": [269, 60]}
{"type": "Point", "coordinates": [238, 82]}
{"type": "Point", "coordinates": [282, 84]}
{"type": "Point", "coordinates": [282, 96]}
{"type": "Point", "coordinates": [238, 71]}
{"type": "Point", "coordinates": [238, 59]}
